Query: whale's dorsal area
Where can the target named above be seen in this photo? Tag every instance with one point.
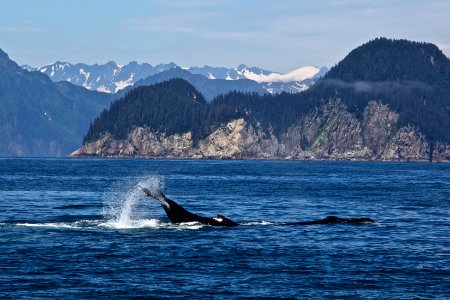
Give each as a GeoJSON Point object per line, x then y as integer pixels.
{"type": "Point", "coordinates": [178, 214]}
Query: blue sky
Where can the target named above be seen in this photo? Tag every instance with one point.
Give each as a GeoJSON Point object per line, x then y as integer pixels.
{"type": "Point", "coordinates": [276, 35]}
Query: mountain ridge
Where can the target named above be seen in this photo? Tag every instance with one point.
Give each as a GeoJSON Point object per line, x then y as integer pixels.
{"type": "Point", "coordinates": [210, 88]}
{"type": "Point", "coordinates": [112, 78]}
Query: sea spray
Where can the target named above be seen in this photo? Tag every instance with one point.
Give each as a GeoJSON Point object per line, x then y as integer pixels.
{"type": "Point", "coordinates": [124, 204]}
{"type": "Point", "coordinates": [125, 215]}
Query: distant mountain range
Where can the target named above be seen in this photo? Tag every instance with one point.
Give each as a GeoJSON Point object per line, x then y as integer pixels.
{"type": "Point", "coordinates": [210, 88]}
{"type": "Point", "coordinates": [112, 78]}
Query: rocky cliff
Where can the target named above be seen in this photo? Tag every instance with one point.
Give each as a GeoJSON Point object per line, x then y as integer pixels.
{"type": "Point", "coordinates": [329, 132]}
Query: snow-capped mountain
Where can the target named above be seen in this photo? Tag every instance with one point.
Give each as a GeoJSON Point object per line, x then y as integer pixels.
{"type": "Point", "coordinates": [298, 75]}
{"type": "Point", "coordinates": [111, 78]}
{"type": "Point", "coordinates": [257, 74]}
{"type": "Point", "coordinates": [273, 82]}
{"type": "Point", "coordinates": [227, 73]}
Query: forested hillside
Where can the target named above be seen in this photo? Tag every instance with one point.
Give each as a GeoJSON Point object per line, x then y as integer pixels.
{"type": "Point", "coordinates": [172, 106]}
{"type": "Point", "coordinates": [39, 117]}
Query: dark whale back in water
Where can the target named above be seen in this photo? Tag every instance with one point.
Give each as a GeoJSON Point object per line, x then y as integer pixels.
{"type": "Point", "coordinates": [334, 220]}
{"type": "Point", "coordinates": [178, 214]}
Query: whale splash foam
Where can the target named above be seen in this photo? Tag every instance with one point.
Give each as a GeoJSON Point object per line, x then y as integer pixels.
{"type": "Point", "coordinates": [128, 210]}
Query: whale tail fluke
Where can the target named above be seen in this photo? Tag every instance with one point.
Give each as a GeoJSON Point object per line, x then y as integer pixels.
{"type": "Point", "coordinates": [154, 193]}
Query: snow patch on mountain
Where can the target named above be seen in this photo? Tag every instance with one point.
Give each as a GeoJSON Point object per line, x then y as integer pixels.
{"type": "Point", "coordinates": [120, 85]}
{"type": "Point", "coordinates": [296, 75]}
{"type": "Point", "coordinates": [28, 68]}
{"type": "Point", "coordinates": [287, 87]}
{"type": "Point", "coordinates": [82, 72]}
{"type": "Point", "coordinates": [103, 89]}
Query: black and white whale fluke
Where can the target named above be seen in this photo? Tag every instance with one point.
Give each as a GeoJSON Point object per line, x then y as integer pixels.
{"type": "Point", "coordinates": [178, 214]}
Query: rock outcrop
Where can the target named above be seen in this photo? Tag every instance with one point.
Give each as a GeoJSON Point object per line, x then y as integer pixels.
{"type": "Point", "coordinates": [326, 133]}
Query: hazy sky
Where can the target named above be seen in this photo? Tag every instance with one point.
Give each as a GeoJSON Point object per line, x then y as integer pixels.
{"type": "Point", "coordinates": [277, 35]}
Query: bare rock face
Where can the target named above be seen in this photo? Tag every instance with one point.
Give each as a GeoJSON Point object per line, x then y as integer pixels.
{"type": "Point", "coordinates": [330, 132]}
{"type": "Point", "coordinates": [141, 142]}
{"type": "Point", "coordinates": [149, 144]}
{"type": "Point", "coordinates": [407, 145]}
{"type": "Point", "coordinates": [240, 141]}
{"type": "Point", "coordinates": [235, 140]}
{"type": "Point", "coordinates": [378, 126]}
{"type": "Point", "coordinates": [441, 153]}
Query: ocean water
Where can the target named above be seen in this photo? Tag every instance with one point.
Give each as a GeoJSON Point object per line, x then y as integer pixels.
{"type": "Point", "coordinates": [80, 229]}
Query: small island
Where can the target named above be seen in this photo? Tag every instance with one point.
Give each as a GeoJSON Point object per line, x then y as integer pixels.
{"type": "Point", "coordinates": [386, 101]}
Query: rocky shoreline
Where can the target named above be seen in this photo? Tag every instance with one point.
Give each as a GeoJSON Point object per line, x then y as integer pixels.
{"type": "Point", "coordinates": [326, 133]}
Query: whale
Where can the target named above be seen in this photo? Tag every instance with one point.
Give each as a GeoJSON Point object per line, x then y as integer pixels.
{"type": "Point", "coordinates": [333, 220]}
{"type": "Point", "coordinates": [178, 214]}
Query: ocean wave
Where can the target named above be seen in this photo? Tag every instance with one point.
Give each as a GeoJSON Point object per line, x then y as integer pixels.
{"type": "Point", "coordinates": [263, 223]}
{"type": "Point", "coordinates": [72, 225]}
{"type": "Point", "coordinates": [108, 224]}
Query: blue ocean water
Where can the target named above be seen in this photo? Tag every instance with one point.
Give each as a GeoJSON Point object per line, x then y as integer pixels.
{"type": "Point", "coordinates": [80, 229]}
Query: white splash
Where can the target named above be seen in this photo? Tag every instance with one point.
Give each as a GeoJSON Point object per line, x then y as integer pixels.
{"type": "Point", "coordinates": [133, 224]}
{"type": "Point", "coordinates": [127, 208]}
{"type": "Point", "coordinates": [128, 211]}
